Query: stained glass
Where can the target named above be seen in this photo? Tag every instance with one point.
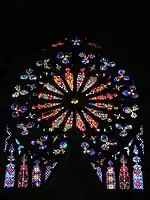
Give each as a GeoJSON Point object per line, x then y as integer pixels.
{"type": "Point", "coordinates": [46, 105]}
{"type": "Point", "coordinates": [40, 142]}
{"type": "Point", "coordinates": [44, 63]}
{"type": "Point", "coordinates": [131, 92]}
{"type": "Point", "coordinates": [92, 80]}
{"type": "Point", "coordinates": [98, 89]}
{"type": "Point", "coordinates": [49, 170]}
{"type": "Point", "coordinates": [92, 122]}
{"type": "Point", "coordinates": [86, 57]}
{"type": "Point", "coordinates": [64, 57]}
{"type": "Point", "coordinates": [141, 139]}
{"type": "Point", "coordinates": [110, 176]}
{"type": "Point", "coordinates": [20, 147]}
{"type": "Point", "coordinates": [57, 44]}
{"type": "Point", "coordinates": [25, 128]}
{"type": "Point", "coordinates": [69, 122]}
{"type": "Point", "coordinates": [46, 96]}
{"type": "Point", "coordinates": [92, 44]}
{"type": "Point", "coordinates": [137, 171]}
{"type": "Point", "coordinates": [121, 76]}
{"type": "Point", "coordinates": [127, 148]}
{"type": "Point", "coordinates": [17, 110]}
{"type": "Point", "coordinates": [9, 175]}
{"type": "Point", "coordinates": [75, 89]}
{"type": "Point", "coordinates": [76, 41]}
{"type": "Point", "coordinates": [104, 97]}
{"type": "Point", "coordinates": [131, 111]}
{"type": "Point", "coordinates": [23, 174]}
{"type": "Point", "coordinates": [79, 123]}
{"type": "Point", "coordinates": [62, 148]}
{"type": "Point", "coordinates": [60, 82]}
{"type": "Point", "coordinates": [52, 88]}
{"type": "Point", "coordinates": [74, 101]}
{"type": "Point", "coordinates": [123, 132]}
{"type": "Point", "coordinates": [7, 138]}
{"type": "Point", "coordinates": [50, 114]}
{"type": "Point", "coordinates": [69, 78]}
{"type": "Point", "coordinates": [19, 91]}
{"type": "Point", "coordinates": [105, 64]}
{"type": "Point", "coordinates": [107, 143]}
{"type": "Point", "coordinates": [36, 174]}
{"type": "Point", "coordinates": [56, 123]}
{"type": "Point", "coordinates": [28, 75]}
{"type": "Point", "coordinates": [124, 178]}
{"type": "Point", "coordinates": [98, 171]}
{"type": "Point", "coordinates": [97, 113]}
{"type": "Point", "coordinates": [80, 79]}
{"type": "Point", "coordinates": [102, 105]}
{"type": "Point", "coordinates": [10, 170]}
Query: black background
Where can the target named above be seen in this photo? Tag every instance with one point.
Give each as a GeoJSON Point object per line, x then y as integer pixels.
{"type": "Point", "coordinates": [27, 28]}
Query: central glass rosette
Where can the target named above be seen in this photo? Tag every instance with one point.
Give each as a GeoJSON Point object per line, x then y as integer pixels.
{"type": "Point", "coordinates": [74, 101]}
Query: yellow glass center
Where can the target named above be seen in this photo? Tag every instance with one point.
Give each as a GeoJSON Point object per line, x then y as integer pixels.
{"type": "Point", "coordinates": [74, 101]}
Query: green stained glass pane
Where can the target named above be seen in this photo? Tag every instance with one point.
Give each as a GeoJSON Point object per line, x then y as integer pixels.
{"type": "Point", "coordinates": [24, 77]}
{"type": "Point", "coordinates": [24, 92]}
{"type": "Point", "coordinates": [17, 88]}
{"type": "Point", "coordinates": [45, 96]}
{"type": "Point", "coordinates": [29, 71]}
{"type": "Point", "coordinates": [57, 152]}
{"type": "Point", "coordinates": [16, 94]}
{"type": "Point", "coordinates": [135, 107]}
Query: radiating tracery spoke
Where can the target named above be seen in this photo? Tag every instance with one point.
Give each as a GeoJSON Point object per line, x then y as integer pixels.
{"type": "Point", "coordinates": [104, 97]}
{"type": "Point", "coordinates": [69, 123]}
{"type": "Point", "coordinates": [92, 80]}
{"type": "Point", "coordinates": [69, 78]}
{"type": "Point", "coordinates": [90, 120]}
{"type": "Point", "coordinates": [56, 123]}
{"type": "Point", "coordinates": [51, 88]}
{"type": "Point", "coordinates": [43, 95]}
{"type": "Point", "coordinates": [98, 89]}
{"type": "Point", "coordinates": [50, 114]}
{"type": "Point", "coordinates": [102, 105]}
{"type": "Point", "coordinates": [46, 105]}
{"type": "Point", "coordinates": [58, 80]}
{"type": "Point", "coordinates": [80, 79]}
{"type": "Point", "coordinates": [99, 114]}
{"type": "Point", "coordinates": [79, 123]}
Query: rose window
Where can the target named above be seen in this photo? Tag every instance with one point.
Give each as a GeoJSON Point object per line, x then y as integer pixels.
{"type": "Point", "coordinates": [75, 89]}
